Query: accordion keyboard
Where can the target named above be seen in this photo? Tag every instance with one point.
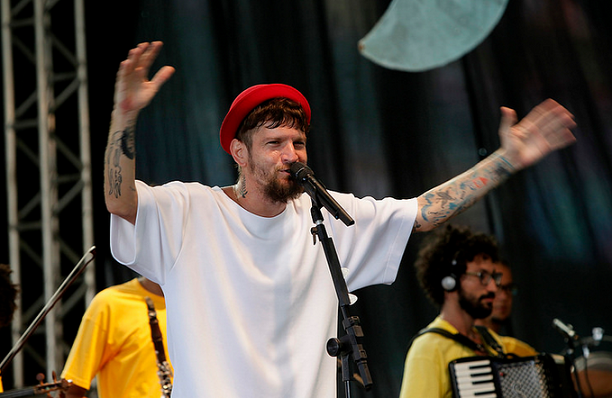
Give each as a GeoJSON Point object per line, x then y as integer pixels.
{"type": "Point", "coordinates": [474, 379]}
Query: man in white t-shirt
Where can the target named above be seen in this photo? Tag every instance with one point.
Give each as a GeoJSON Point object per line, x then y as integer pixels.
{"type": "Point", "coordinates": [250, 303]}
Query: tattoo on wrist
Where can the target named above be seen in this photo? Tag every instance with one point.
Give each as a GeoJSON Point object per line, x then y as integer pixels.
{"type": "Point", "coordinates": [507, 165]}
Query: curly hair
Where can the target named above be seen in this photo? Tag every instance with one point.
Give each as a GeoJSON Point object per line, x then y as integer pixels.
{"type": "Point", "coordinates": [443, 247]}
{"type": "Point", "coordinates": [8, 294]}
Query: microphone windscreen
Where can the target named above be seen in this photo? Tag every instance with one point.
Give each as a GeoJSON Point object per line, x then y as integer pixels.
{"type": "Point", "coordinates": [299, 170]}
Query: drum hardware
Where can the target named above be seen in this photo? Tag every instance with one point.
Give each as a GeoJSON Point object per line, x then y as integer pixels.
{"type": "Point", "coordinates": [594, 366]}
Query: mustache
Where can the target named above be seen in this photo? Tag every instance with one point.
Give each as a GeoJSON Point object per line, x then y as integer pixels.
{"type": "Point", "coordinates": [489, 295]}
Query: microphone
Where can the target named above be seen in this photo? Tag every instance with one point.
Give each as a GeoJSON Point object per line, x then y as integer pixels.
{"type": "Point", "coordinates": [318, 193]}
{"type": "Point", "coordinates": [598, 334]}
{"type": "Point", "coordinates": [566, 330]}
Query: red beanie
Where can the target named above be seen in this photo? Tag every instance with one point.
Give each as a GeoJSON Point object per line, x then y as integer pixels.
{"type": "Point", "coordinates": [248, 100]}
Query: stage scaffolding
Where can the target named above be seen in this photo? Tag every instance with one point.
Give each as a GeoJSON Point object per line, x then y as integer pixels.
{"type": "Point", "coordinates": [48, 172]}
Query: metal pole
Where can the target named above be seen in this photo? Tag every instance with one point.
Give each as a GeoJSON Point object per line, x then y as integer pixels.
{"type": "Point", "coordinates": [11, 174]}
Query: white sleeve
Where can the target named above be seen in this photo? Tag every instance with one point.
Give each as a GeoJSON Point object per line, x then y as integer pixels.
{"type": "Point", "coordinates": [152, 245]}
{"type": "Point", "coordinates": [373, 247]}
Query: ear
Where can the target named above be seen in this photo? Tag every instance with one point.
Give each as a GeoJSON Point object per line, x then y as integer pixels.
{"type": "Point", "coordinates": [239, 152]}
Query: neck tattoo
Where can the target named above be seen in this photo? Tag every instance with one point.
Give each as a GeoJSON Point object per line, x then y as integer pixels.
{"type": "Point", "coordinates": [240, 189]}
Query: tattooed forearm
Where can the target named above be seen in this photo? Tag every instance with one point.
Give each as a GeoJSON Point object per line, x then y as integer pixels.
{"type": "Point", "coordinates": [128, 146]}
{"type": "Point", "coordinates": [457, 195]}
{"type": "Point", "coordinates": [440, 206]}
{"type": "Point", "coordinates": [120, 143]}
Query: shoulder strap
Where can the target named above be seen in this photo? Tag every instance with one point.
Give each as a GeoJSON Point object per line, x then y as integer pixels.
{"type": "Point", "coordinates": [164, 372]}
{"type": "Point", "coordinates": [156, 334]}
{"type": "Point", "coordinates": [490, 341]}
{"type": "Point", "coordinates": [458, 337]}
{"type": "Point", "coordinates": [453, 336]}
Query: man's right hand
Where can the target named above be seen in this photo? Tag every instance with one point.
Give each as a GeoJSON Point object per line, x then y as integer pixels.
{"type": "Point", "coordinates": [133, 89]}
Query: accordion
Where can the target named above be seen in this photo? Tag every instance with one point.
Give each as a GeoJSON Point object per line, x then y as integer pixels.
{"type": "Point", "coordinates": [525, 377]}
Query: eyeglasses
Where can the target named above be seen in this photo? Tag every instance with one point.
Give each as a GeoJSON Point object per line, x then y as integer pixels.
{"type": "Point", "coordinates": [485, 277]}
{"type": "Point", "coordinates": [509, 288]}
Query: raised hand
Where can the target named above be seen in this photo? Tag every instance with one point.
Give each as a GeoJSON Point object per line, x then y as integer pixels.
{"type": "Point", "coordinates": [545, 129]}
{"type": "Point", "coordinates": [133, 89]}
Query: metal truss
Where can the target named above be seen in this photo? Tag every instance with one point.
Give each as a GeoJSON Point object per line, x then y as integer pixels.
{"type": "Point", "coordinates": [48, 170]}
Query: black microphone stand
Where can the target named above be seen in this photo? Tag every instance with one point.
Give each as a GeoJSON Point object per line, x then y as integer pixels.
{"type": "Point", "coordinates": [350, 343]}
{"type": "Point", "coordinates": [570, 358]}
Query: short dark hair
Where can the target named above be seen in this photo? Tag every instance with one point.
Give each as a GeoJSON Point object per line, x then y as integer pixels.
{"type": "Point", "coordinates": [447, 250]}
{"type": "Point", "coordinates": [8, 294]}
{"type": "Point", "coordinates": [273, 113]}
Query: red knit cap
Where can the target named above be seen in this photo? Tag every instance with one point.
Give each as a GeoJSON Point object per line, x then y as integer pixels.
{"type": "Point", "coordinates": [248, 100]}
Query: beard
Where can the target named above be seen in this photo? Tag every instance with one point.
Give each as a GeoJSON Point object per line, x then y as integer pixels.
{"type": "Point", "coordinates": [278, 192]}
{"type": "Point", "coordinates": [275, 188]}
{"type": "Point", "coordinates": [475, 307]}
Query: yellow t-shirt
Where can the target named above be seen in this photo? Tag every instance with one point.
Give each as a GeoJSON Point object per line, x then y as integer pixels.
{"type": "Point", "coordinates": [114, 342]}
{"type": "Point", "coordinates": [426, 372]}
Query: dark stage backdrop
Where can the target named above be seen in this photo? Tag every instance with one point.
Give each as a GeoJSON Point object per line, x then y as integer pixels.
{"type": "Point", "coordinates": [388, 133]}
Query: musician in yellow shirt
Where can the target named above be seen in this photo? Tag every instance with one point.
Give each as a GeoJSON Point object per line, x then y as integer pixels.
{"type": "Point", "coordinates": [458, 269]}
{"type": "Point", "coordinates": [114, 342]}
{"type": "Point", "coordinates": [8, 294]}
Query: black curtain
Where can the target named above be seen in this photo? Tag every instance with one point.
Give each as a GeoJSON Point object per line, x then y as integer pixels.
{"type": "Point", "coordinates": [382, 133]}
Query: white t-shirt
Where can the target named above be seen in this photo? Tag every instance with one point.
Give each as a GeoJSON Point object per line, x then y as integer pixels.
{"type": "Point", "coordinates": [250, 300]}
